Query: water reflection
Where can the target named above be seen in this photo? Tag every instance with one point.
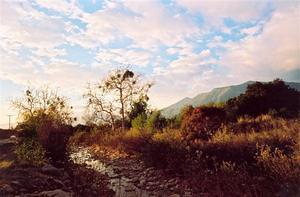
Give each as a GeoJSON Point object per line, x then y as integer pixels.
{"type": "Point", "coordinates": [122, 186]}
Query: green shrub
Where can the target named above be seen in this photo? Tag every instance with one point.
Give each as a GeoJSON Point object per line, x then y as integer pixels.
{"type": "Point", "coordinates": [139, 121]}
{"type": "Point", "coordinates": [155, 121]}
{"type": "Point", "coordinates": [31, 152]}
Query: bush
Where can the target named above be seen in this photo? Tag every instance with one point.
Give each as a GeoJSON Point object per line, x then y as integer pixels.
{"type": "Point", "coordinates": [162, 154]}
{"type": "Point", "coordinates": [202, 122]}
{"type": "Point", "coordinates": [155, 121]}
{"type": "Point", "coordinates": [139, 121]}
{"type": "Point", "coordinates": [31, 152]}
{"type": "Point", "coordinates": [278, 165]}
{"type": "Point", "coordinates": [54, 137]}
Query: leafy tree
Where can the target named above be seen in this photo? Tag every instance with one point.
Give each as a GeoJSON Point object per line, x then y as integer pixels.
{"type": "Point", "coordinates": [261, 98]}
{"type": "Point", "coordinates": [138, 107]}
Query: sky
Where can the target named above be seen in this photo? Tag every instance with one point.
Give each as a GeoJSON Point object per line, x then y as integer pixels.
{"type": "Point", "coordinates": [184, 46]}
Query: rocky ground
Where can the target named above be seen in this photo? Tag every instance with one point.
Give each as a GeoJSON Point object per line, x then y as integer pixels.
{"type": "Point", "coordinates": [92, 172]}
{"type": "Point", "coordinates": [20, 180]}
{"type": "Point", "coordinates": [128, 176]}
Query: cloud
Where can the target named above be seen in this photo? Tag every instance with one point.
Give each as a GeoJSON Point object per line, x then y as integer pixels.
{"type": "Point", "coordinates": [147, 23]}
{"type": "Point", "coordinates": [123, 57]}
{"type": "Point", "coordinates": [168, 42]}
{"type": "Point", "coordinates": [214, 11]}
{"type": "Point", "coordinates": [267, 55]}
{"type": "Point", "coordinates": [21, 24]}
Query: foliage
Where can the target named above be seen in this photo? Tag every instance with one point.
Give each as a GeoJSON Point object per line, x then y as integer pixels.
{"type": "Point", "coordinates": [235, 159]}
{"type": "Point", "coordinates": [117, 93]}
{"type": "Point", "coordinates": [261, 98]}
{"type": "Point", "coordinates": [155, 121]}
{"type": "Point", "coordinates": [31, 152]}
{"type": "Point", "coordinates": [54, 138]}
{"type": "Point", "coordinates": [45, 116]}
{"type": "Point", "coordinates": [138, 108]}
{"type": "Point", "coordinates": [43, 102]}
{"type": "Point", "coordinates": [126, 89]}
{"type": "Point", "coordinates": [201, 122]}
{"type": "Point", "coordinates": [139, 121]}
{"type": "Point", "coordinates": [278, 165]}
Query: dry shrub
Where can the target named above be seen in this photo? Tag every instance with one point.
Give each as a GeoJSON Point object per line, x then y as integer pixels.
{"type": "Point", "coordinates": [202, 122]}
{"type": "Point", "coordinates": [31, 152]}
{"type": "Point", "coordinates": [54, 137]}
{"type": "Point", "coordinates": [278, 165]}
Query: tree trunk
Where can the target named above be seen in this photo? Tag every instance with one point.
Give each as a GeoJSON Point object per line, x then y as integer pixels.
{"type": "Point", "coordinates": [112, 123]}
{"type": "Point", "coordinates": [122, 109]}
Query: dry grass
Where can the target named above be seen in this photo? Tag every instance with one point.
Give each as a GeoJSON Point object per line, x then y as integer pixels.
{"type": "Point", "coordinates": [5, 164]}
{"type": "Point", "coordinates": [250, 157]}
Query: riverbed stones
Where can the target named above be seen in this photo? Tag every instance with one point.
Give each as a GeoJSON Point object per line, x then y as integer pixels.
{"type": "Point", "coordinates": [51, 170]}
{"type": "Point", "coordinates": [174, 195]}
{"type": "Point", "coordinates": [130, 171]}
{"type": "Point", "coordinates": [55, 193]}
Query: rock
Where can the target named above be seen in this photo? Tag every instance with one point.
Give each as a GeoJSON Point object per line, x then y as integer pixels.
{"type": "Point", "coordinates": [6, 189]}
{"type": "Point", "coordinates": [142, 181]}
{"type": "Point", "coordinates": [174, 195]}
{"type": "Point", "coordinates": [55, 193]}
{"type": "Point", "coordinates": [50, 170]}
{"type": "Point", "coordinates": [16, 184]}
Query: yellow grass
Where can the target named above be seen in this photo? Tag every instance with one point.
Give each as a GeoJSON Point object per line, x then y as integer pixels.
{"type": "Point", "coordinates": [5, 164]}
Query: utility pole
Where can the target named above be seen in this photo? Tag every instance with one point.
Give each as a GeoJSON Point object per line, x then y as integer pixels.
{"type": "Point", "coordinates": [9, 116]}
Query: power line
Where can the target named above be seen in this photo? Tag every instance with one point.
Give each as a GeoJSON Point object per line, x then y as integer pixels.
{"type": "Point", "coordinates": [9, 116]}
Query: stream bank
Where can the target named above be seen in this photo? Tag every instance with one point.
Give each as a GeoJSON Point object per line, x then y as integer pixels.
{"type": "Point", "coordinates": [128, 176]}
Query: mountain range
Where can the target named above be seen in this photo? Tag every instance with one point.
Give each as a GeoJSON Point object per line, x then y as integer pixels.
{"type": "Point", "coordinates": [216, 95]}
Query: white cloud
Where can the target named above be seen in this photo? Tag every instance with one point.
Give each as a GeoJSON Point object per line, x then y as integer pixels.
{"type": "Point", "coordinates": [149, 25]}
{"type": "Point", "coordinates": [123, 56]}
{"type": "Point", "coordinates": [267, 55]}
{"type": "Point", "coordinates": [21, 24]}
{"type": "Point", "coordinates": [214, 11]}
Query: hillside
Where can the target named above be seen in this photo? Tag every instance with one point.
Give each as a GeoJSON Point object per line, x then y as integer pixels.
{"type": "Point", "coordinates": [216, 95]}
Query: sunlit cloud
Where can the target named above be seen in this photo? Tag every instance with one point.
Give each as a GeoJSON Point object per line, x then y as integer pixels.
{"type": "Point", "coordinates": [185, 47]}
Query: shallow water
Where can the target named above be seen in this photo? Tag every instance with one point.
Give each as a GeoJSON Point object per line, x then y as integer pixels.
{"type": "Point", "coordinates": [122, 186]}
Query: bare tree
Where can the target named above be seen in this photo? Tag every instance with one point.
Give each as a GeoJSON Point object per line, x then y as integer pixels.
{"type": "Point", "coordinates": [126, 88]}
{"type": "Point", "coordinates": [101, 105]}
{"type": "Point", "coordinates": [115, 94]}
{"type": "Point", "coordinates": [43, 101]}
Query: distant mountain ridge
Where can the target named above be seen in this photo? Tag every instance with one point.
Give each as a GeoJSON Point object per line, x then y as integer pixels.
{"type": "Point", "coordinates": [216, 95]}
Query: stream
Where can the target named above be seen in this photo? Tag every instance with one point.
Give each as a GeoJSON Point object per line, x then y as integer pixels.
{"type": "Point", "coordinates": [121, 185]}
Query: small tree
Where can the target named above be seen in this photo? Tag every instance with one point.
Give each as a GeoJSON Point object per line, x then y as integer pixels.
{"type": "Point", "coordinates": [138, 108]}
{"type": "Point", "coordinates": [43, 102]}
{"type": "Point", "coordinates": [45, 117]}
{"type": "Point", "coordinates": [125, 88]}
{"type": "Point", "coordinates": [101, 104]}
